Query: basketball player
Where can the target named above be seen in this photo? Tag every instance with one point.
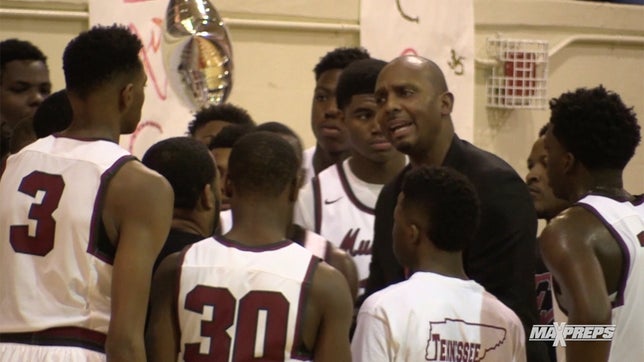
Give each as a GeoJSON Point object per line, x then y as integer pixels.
{"type": "Point", "coordinates": [438, 314]}
{"type": "Point", "coordinates": [189, 167]}
{"type": "Point", "coordinates": [24, 80]}
{"type": "Point", "coordinates": [595, 248]}
{"type": "Point", "coordinates": [220, 147]}
{"type": "Point", "coordinates": [339, 202]}
{"type": "Point", "coordinates": [251, 294]}
{"type": "Point", "coordinates": [81, 220]}
{"type": "Point", "coordinates": [315, 243]}
{"type": "Point", "coordinates": [331, 139]}
{"type": "Point", "coordinates": [547, 206]}
{"type": "Point", "coordinates": [209, 121]}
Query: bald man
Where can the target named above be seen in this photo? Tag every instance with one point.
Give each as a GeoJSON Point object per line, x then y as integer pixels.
{"type": "Point", "coordinates": [414, 113]}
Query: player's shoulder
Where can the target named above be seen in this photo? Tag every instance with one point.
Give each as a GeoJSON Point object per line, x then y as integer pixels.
{"type": "Point", "coordinates": [387, 297]}
{"type": "Point", "coordinates": [327, 281]}
{"type": "Point", "coordinates": [573, 224]}
{"type": "Point", "coordinates": [135, 177]}
{"type": "Point", "coordinates": [500, 311]}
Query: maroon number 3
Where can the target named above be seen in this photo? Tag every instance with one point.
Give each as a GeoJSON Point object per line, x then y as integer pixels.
{"type": "Point", "coordinates": [274, 341]}
{"type": "Point", "coordinates": [43, 240]}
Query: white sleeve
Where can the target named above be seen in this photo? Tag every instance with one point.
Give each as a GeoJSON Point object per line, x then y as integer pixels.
{"type": "Point", "coordinates": [372, 339]}
{"type": "Point", "coordinates": [303, 210]}
{"type": "Point", "coordinates": [519, 339]}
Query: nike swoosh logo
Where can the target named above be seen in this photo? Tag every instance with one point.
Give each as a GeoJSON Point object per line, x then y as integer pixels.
{"type": "Point", "coordinates": [327, 202]}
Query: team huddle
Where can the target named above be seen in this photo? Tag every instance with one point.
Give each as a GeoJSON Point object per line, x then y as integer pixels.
{"type": "Point", "coordinates": [391, 239]}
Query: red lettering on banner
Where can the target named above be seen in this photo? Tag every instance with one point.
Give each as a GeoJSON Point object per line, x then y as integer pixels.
{"type": "Point", "coordinates": [153, 45]}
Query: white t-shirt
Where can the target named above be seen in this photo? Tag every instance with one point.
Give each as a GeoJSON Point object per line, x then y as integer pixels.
{"type": "Point", "coordinates": [432, 317]}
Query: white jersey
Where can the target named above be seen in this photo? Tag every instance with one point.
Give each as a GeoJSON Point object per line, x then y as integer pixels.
{"type": "Point", "coordinates": [313, 242]}
{"type": "Point", "coordinates": [55, 256]}
{"type": "Point", "coordinates": [340, 207]}
{"type": "Point", "coordinates": [625, 222]}
{"type": "Point", "coordinates": [307, 164]}
{"type": "Point", "coordinates": [431, 317]}
{"type": "Point", "coordinates": [240, 302]}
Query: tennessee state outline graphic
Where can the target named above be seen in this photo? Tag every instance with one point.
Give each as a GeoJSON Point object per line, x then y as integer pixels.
{"type": "Point", "coordinates": [458, 340]}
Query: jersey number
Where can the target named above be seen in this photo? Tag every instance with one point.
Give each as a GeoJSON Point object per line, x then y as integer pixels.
{"type": "Point", "coordinates": [272, 343]}
{"type": "Point", "coordinates": [43, 240]}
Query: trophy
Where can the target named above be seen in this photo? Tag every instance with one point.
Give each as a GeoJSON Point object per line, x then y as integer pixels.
{"type": "Point", "coordinates": [197, 53]}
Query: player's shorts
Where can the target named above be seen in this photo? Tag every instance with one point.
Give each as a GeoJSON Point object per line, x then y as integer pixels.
{"type": "Point", "coordinates": [18, 352]}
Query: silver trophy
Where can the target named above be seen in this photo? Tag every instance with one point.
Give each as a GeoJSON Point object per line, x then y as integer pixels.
{"type": "Point", "coordinates": [197, 53]}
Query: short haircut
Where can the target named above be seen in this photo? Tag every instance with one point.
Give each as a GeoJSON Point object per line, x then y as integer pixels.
{"type": "Point", "coordinates": [596, 127]}
{"type": "Point", "coordinates": [339, 58]}
{"type": "Point", "coordinates": [98, 56]}
{"type": "Point", "coordinates": [229, 135]}
{"type": "Point", "coordinates": [15, 49]}
{"type": "Point", "coordinates": [544, 129]}
{"type": "Point", "coordinates": [358, 77]}
{"type": "Point", "coordinates": [187, 165]}
{"type": "Point", "coordinates": [223, 112]}
{"type": "Point", "coordinates": [53, 115]}
{"type": "Point", "coordinates": [284, 130]}
{"type": "Point", "coordinates": [262, 163]}
{"type": "Point", "coordinates": [447, 201]}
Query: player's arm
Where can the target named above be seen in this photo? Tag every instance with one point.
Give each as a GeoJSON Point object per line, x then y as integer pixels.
{"type": "Point", "coordinates": [331, 294]}
{"type": "Point", "coordinates": [162, 334]}
{"type": "Point", "coordinates": [370, 340]}
{"type": "Point", "coordinates": [137, 216]}
{"type": "Point", "coordinates": [568, 253]}
{"type": "Point", "coordinates": [344, 263]}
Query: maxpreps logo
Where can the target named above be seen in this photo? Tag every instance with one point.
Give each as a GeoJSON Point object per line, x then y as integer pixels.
{"type": "Point", "coordinates": [458, 340]}
{"type": "Point", "coordinates": [559, 333]}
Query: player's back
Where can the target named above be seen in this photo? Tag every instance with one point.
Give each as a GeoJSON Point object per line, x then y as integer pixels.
{"type": "Point", "coordinates": [625, 221]}
{"type": "Point", "coordinates": [437, 318]}
{"type": "Point", "coordinates": [247, 301]}
{"type": "Point", "coordinates": [55, 255]}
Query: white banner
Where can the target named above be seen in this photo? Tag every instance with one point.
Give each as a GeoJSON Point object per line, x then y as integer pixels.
{"type": "Point", "coordinates": [440, 30]}
{"type": "Point", "coordinates": [163, 114]}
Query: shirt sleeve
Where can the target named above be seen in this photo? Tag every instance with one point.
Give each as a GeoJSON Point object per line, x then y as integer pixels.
{"type": "Point", "coordinates": [372, 339]}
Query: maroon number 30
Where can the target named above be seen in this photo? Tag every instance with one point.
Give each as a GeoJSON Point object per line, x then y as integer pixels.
{"type": "Point", "coordinates": [43, 241]}
{"type": "Point", "coordinates": [223, 302]}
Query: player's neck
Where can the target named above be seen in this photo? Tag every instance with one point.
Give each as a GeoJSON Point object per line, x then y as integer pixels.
{"type": "Point", "coordinates": [376, 172]}
{"type": "Point", "coordinates": [449, 264]}
{"type": "Point", "coordinates": [93, 120]}
{"type": "Point", "coordinates": [185, 221]}
{"type": "Point", "coordinates": [606, 183]}
{"type": "Point", "coordinates": [257, 224]}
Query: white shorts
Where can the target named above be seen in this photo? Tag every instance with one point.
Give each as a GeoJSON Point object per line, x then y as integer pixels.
{"type": "Point", "coordinates": [18, 352]}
